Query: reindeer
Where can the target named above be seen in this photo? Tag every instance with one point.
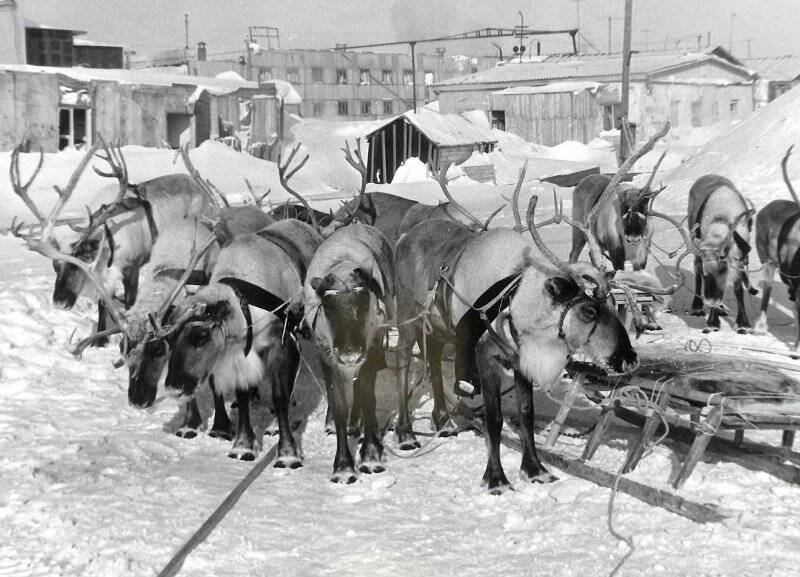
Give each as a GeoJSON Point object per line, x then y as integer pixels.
{"type": "Point", "coordinates": [622, 227]}
{"type": "Point", "coordinates": [720, 219]}
{"type": "Point", "coordinates": [349, 296]}
{"type": "Point", "coordinates": [778, 244]}
{"type": "Point", "coordinates": [236, 331]}
{"type": "Point", "coordinates": [120, 235]}
{"type": "Point", "coordinates": [455, 280]}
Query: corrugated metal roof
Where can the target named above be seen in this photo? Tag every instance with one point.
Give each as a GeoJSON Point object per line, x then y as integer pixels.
{"type": "Point", "coordinates": [594, 66]}
{"type": "Point", "coordinates": [555, 87]}
{"type": "Point", "coordinates": [784, 68]}
{"type": "Point", "coordinates": [444, 129]}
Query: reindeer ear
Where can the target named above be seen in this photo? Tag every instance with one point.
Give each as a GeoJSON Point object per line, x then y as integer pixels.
{"type": "Point", "coordinates": [321, 284]}
{"type": "Point", "coordinates": [561, 289]}
{"type": "Point", "coordinates": [743, 245]}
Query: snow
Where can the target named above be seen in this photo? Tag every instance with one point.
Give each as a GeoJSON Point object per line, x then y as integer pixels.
{"type": "Point", "coordinates": [94, 487]}
{"type": "Point", "coordinates": [412, 170]}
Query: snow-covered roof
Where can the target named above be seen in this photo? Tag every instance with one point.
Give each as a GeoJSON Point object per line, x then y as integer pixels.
{"type": "Point", "coordinates": [444, 129]}
{"type": "Point", "coordinates": [555, 87]}
{"type": "Point", "coordinates": [94, 43]}
{"type": "Point", "coordinates": [587, 66]}
{"type": "Point", "coordinates": [33, 24]}
{"type": "Point", "coordinates": [785, 68]}
{"type": "Point", "coordinates": [135, 77]}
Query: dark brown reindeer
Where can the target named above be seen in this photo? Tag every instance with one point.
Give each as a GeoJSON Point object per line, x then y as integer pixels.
{"type": "Point", "coordinates": [349, 297]}
{"type": "Point", "coordinates": [622, 227]}
{"type": "Point", "coordinates": [119, 236]}
{"type": "Point", "coordinates": [778, 246]}
{"type": "Point", "coordinates": [720, 220]}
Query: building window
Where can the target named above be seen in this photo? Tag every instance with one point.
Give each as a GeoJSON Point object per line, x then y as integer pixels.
{"type": "Point", "coordinates": [697, 113]}
{"type": "Point", "coordinates": [341, 76]}
{"type": "Point", "coordinates": [386, 76]}
{"type": "Point", "coordinates": [363, 76]}
{"type": "Point", "coordinates": [342, 107]}
{"type": "Point", "coordinates": [714, 112]}
{"type": "Point", "coordinates": [674, 113]}
{"type": "Point", "coordinates": [388, 107]}
{"type": "Point", "coordinates": [499, 119]}
{"type": "Point", "coordinates": [73, 127]}
{"type": "Point", "coordinates": [264, 74]}
{"type": "Point", "coordinates": [316, 75]}
{"type": "Point", "coordinates": [366, 107]}
{"type": "Point", "coordinates": [734, 108]}
{"type": "Point", "coordinates": [293, 75]}
{"type": "Point", "coordinates": [408, 76]}
{"type": "Point", "coordinates": [319, 108]}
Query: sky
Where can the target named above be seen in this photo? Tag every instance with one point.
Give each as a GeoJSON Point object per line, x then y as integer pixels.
{"type": "Point", "coordinates": [765, 27]}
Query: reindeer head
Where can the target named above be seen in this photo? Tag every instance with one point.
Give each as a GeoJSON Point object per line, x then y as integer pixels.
{"type": "Point", "coordinates": [636, 204]}
{"type": "Point", "coordinates": [212, 338]}
{"type": "Point", "coordinates": [347, 317]}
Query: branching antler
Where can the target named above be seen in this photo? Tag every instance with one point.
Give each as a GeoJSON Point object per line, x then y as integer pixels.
{"type": "Point", "coordinates": [441, 178]}
{"type": "Point", "coordinates": [646, 190]}
{"type": "Point", "coordinates": [116, 161]}
{"type": "Point", "coordinates": [518, 226]}
{"type": "Point", "coordinates": [533, 228]}
{"type": "Point", "coordinates": [285, 175]}
{"type": "Point", "coordinates": [785, 172]}
{"type": "Point", "coordinates": [45, 244]}
{"type": "Point", "coordinates": [595, 254]}
{"type": "Point", "coordinates": [21, 190]}
{"type": "Point", "coordinates": [357, 163]}
{"type": "Point", "coordinates": [211, 190]}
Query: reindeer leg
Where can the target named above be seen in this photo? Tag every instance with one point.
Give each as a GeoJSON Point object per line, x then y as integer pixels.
{"type": "Point", "coordinates": [697, 302]}
{"type": "Point", "coordinates": [102, 320]}
{"type": "Point", "coordinates": [355, 424]}
{"type": "Point", "coordinates": [130, 284]}
{"type": "Point", "coordinates": [797, 316]}
{"type": "Point", "coordinates": [440, 415]}
{"type": "Point", "coordinates": [191, 419]}
{"type": "Point", "coordinates": [742, 323]}
{"type": "Point", "coordinates": [531, 469]}
{"type": "Point", "coordinates": [343, 465]}
{"type": "Point", "coordinates": [371, 452]}
{"type": "Point", "coordinates": [283, 370]}
{"type": "Point", "coordinates": [222, 427]}
{"type": "Point", "coordinates": [468, 331]}
{"type": "Point", "coordinates": [578, 242]}
{"type": "Point", "coordinates": [766, 288]}
{"type": "Point", "coordinates": [244, 445]}
{"type": "Point", "coordinates": [494, 478]}
{"type": "Point", "coordinates": [327, 376]}
{"type": "Point", "coordinates": [403, 432]}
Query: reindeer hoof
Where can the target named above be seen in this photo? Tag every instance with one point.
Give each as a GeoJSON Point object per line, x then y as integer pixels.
{"type": "Point", "coordinates": [344, 477]}
{"type": "Point", "coordinates": [99, 343]}
{"type": "Point", "coordinates": [542, 477]}
{"type": "Point", "coordinates": [186, 433]}
{"type": "Point", "coordinates": [652, 327]}
{"type": "Point", "coordinates": [406, 440]}
{"type": "Point", "coordinates": [697, 313]}
{"type": "Point", "coordinates": [370, 467]}
{"type": "Point", "coordinates": [271, 431]}
{"type": "Point", "coordinates": [497, 486]}
{"type": "Point", "coordinates": [743, 330]}
{"type": "Point", "coordinates": [288, 462]}
{"type": "Point", "coordinates": [242, 453]}
{"type": "Point", "coordinates": [710, 330]}
{"type": "Point", "coordinates": [223, 434]}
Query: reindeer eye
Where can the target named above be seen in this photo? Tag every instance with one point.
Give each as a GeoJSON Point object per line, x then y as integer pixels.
{"type": "Point", "coordinates": [587, 313]}
{"type": "Point", "coordinates": [199, 336]}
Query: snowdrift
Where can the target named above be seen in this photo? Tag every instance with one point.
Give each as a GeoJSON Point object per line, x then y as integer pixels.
{"type": "Point", "coordinates": [749, 154]}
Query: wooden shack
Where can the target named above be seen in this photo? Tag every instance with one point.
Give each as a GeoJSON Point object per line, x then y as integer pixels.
{"type": "Point", "coordinates": [550, 114]}
{"type": "Point", "coordinates": [58, 107]}
{"type": "Point", "coordinates": [436, 139]}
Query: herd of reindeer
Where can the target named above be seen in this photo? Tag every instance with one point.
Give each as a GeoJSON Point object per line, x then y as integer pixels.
{"type": "Point", "coordinates": [229, 292]}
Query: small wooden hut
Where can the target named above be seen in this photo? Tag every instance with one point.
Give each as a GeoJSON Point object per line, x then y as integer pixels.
{"type": "Point", "coordinates": [436, 139]}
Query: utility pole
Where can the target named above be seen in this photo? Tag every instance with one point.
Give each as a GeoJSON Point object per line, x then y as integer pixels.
{"type": "Point", "coordinates": [730, 43]}
{"type": "Point", "coordinates": [521, 28]}
{"type": "Point", "coordinates": [749, 40]}
{"type": "Point", "coordinates": [413, 75]}
{"type": "Point", "coordinates": [578, 22]}
{"type": "Point", "coordinates": [646, 30]}
{"type": "Point", "coordinates": [609, 34]}
{"type": "Point", "coordinates": [186, 45]}
{"type": "Point", "coordinates": [624, 145]}
{"type": "Point", "coordinates": [699, 42]}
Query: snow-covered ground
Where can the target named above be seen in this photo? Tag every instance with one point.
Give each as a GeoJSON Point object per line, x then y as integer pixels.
{"type": "Point", "coordinates": [92, 486]}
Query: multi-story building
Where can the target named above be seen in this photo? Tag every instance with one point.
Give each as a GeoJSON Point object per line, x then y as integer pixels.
{"type": "Point", "coordinates": [338, 83]}
{"type": "Point", "coordinates": [25, 42]}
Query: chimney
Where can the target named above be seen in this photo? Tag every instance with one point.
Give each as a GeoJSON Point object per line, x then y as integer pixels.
{"type": "Point", "coordinates": [201, 52]}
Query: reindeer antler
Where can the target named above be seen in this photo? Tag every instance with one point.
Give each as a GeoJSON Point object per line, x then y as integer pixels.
{"type": "Point", "coordinates": [116, 161]}
{"type": "Point", "coordinates": [211, 190]}
{"type": "Point", "coordinates": [285, 175]}
{"type": "Point", "coordinates": [357, 163]}
{"type": "Point", "coordinates": [646, 189]}
{"type": "Point", "coordinates": [441, 178]}
{"type": "Point", "coordinates": [45, 244]}
{"type": "Point", "coordinates": [785, 172]}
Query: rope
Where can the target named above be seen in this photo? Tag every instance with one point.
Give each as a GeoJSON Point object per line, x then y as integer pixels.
{"type": "Point", "coordinates": [176, 562]}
